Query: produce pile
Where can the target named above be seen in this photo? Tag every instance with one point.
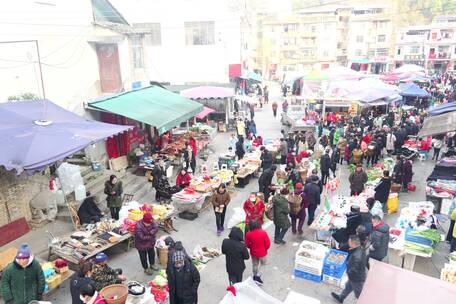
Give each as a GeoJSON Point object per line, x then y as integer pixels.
{"type": "Point", "coordinates": [159, 287]}
{"type": "Point", "coordinates": [336, 258]}
{"type": "Point", "coordinates": [309, 257]}
{"type": "Point", "coordinates": [422, 242]}
{"type": "Point", "coordinates": [448, 273]}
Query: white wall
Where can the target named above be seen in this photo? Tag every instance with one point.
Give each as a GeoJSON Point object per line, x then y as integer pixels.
{"type": "Point", "coordinates": [69, 61]}
{"type": "Point", "coordinates": [174, 61]}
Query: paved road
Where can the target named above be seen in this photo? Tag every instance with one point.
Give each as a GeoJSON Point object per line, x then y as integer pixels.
{"type": "Point", "coordinates": [277, 274]}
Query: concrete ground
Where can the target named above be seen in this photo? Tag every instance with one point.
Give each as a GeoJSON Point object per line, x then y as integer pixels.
{"type": "Point", "coordinates": [277, 274]}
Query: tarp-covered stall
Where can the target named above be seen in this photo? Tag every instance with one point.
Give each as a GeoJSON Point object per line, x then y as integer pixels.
{"type": "Point", "coordinates": [389, 284]}
{"type": "Point", "coordinates": [35, 134]}
{"type": "Point", "coordinates": [439, 124]}
{"type": "Point", "coordinates": [152, 105]}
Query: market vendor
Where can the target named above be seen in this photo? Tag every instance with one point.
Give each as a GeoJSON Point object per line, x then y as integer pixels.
{"type": "Point", "coordinates": [158, 173]}
{"type": "Point", "coordinates": [113, 190]}
{"type": "Point", "coordinates": [103, 275]}
{"type": "Point", "coordinates": [89, 212]}
{"type": "Point", "coordinates": [254, 210]}
{"type": "Point", "coordinates": [183, 179]}
{"type": "Point", "coordinates": [354, 219]}
{"type": "Point", "coordinates": [265, 181]}
{"type": "Point", "coordinates": [257, 142]}
{"type": "Point", "coordinates": [190, 158]}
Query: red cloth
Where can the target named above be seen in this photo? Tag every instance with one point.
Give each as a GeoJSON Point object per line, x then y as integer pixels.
{"type": "Point", "coordinates": [254, 212]}
{"type": "Point", "coordinates": [367, 139]}
{"type": "Point", "coordinates": [291, 159]}
{"type": "Point", "coordinates": [301, 155]}
{"type": "Point", "coordinates": [183, 180]}
{"type": "Point", "coordinates": [258, 242]}
{"type": "Point", "coordinates": [424, 145]}
{"type": "Point", "coordinates": [257, 142]}
{"type": "Point", "coordinates": [192, 143]}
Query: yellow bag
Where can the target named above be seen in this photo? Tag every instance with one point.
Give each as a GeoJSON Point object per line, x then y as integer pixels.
{"type": "Point", "coordinates": [392, 203]}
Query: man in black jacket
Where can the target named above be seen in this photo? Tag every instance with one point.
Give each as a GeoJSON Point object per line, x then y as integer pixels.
{"type": "Point", "coordinates": [325, 165]}
{"type": "Point", "coordinates": [312, 191]}
{"type": "Point", "coordinates": [265, 180]}
{"type": "Point", "coordinates": [235, 251]}
{"type": "Point", "coordinates": [266, 158]}
{"type": "Point", "coordinates": [356, 270]}
{"type": "Point", "coordinates": [183, 279]}
{"type": "Point", "coordinates": [378, 249]}
{"type": "Point", "coordinates": [80, 279]}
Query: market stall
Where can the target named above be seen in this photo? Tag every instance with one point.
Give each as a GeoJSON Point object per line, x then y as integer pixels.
{"type": "Point", "coordinates": [132, 212]}
{"type": "Point", "coordinates": [194, 197]}
{"type": "Point", "coordinates": [413, 235]}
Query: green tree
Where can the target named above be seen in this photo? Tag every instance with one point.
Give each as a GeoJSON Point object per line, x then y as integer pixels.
{"type": "Point", "coordinates": [24, 96]}
{"type": "Point", "coordinates": [443, 7]}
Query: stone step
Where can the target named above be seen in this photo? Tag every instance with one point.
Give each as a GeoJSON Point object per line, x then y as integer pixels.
{"type": "Point", "coordinates": [76, 161]}
{"type": "Point", "coordinates": [92, 176]}
{"type": "Point", "coordinates": [85, 170]}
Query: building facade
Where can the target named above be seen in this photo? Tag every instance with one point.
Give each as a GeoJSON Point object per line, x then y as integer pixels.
{"type": "Point", "coordinates": [68, 51]}
{"type": "Point", "coordinates": [358, 37]}
{"type": "Point", "coordinates": [193, 42]}
{"type": "Point", "coordinates": [432, 46]}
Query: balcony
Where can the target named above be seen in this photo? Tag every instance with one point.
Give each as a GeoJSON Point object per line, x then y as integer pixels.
{"type": "Point", "coordinates": [414, 57]}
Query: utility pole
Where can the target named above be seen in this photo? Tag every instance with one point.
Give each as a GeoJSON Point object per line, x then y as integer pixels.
{"type": "Point", "coordinates": [39, 59]}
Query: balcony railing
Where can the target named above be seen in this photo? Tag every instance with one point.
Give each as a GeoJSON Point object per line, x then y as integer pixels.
{"type": "Point", "coordinates": [442, 55]}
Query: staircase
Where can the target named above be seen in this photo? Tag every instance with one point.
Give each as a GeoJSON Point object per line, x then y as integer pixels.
{"type": "Point", "coordinates": [94, 182]}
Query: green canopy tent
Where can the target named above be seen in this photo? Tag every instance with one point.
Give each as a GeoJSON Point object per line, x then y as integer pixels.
{"type": "Point", "coordinates": [152, 105]}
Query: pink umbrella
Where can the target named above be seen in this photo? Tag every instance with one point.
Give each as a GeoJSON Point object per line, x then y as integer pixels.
{"type": "Point", "coordinates": [206, 111]}
{"type": "Point", "coordinates": [207, 92]}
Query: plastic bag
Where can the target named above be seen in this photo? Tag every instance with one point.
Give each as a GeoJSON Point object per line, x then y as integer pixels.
{"type": "Point", "coordinates": [392, 203]}
{"type": "Point", "coordinates": [70, 177]}
{"type": "Point", "coordinates": [237, 217]}
{"type": "Point", "coordinates": [248, 292]}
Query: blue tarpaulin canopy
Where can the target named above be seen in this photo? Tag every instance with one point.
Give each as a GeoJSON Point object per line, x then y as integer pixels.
{"type": "Point", "coordinates": [412, 90]}
{"type": "Point", "coordinates": [444, 108]}
{"type": "Point", "coordinates": [35, 134]}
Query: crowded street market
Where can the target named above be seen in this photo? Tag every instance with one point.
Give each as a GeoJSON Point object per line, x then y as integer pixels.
{"type": "Point", "coordinates": [330, 184]}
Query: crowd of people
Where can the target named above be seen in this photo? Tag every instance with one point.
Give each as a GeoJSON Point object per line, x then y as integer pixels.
{"type": "Point", "coordinates": [289, 193]}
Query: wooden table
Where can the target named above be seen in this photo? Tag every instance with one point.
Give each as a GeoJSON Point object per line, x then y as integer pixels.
{"type": "Point", "coordinates": [73, 260]}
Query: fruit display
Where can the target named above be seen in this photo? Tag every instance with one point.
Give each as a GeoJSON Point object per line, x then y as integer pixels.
{"type": "Point", "coordinates": [448, 273]}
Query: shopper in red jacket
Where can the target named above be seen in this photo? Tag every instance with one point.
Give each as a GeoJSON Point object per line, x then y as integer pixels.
{"type": "Point", "coordinates": [258, 242]}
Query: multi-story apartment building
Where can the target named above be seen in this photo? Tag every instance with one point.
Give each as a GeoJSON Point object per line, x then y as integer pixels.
{"type": "Point", "coordinates": [432, 46]}
{"type": "Point", "coordinates": [370, 39]}
{"type": "Point", "coordinates": [360, 37]}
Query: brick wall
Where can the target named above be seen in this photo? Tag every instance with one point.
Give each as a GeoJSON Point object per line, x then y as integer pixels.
{"type": "Point", "coordinates": [16, 193]}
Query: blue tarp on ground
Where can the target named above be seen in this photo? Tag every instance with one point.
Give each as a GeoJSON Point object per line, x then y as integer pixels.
{"type": "Point", "coordinates": [35, 134]}
{"type": "Point", "coordinates": [412, 90]}
{"type": "Point", "coordinates": [444, 108]}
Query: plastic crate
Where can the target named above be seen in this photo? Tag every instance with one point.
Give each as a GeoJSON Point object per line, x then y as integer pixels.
{"type": "Point", "coordinates": [338, 282]}
{"type": "Point", "coordinates": [333, 269]}
{"type": "Point", "coordinates": [313, 270]}
{"type": "Point", "coordinates": [307, 276]}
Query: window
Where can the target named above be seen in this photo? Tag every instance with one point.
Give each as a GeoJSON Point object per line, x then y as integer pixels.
{"type": "Point", "coordinates": [399, 51]}
{"type": "Point", "coordinates": [313, 28]}
{"type": "Point", "coordinates": [358, 52]}
{"type": "Point", "coordinates": [382, 52]}
{"type": "Point", "coordinates": [381, 38]}
{"type": "Point", "coordinates": [137, 50]}
{"type": "Point", "coordinates": [291, 27]}
{"type": "Point", "coordinates": [359, 39]}
{"type": "Point", "coordinates": [325, 54]}
{"type": "Point", "coordinates": [199, 33]}
{"type": "Point", "coordinates": [153, 37]}
{"type": "Point", "coordinates": [415, 50]}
